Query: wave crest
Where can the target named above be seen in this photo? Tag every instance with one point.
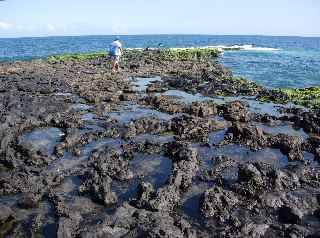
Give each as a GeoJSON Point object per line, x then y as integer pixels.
{"type": "Point", "coordinates": [242, 47]}
{"type": "Point", "coordinates": [221, 48]}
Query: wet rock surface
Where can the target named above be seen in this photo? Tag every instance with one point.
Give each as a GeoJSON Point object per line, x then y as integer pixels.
{"type": "Point", "coordinates": [84, 153]}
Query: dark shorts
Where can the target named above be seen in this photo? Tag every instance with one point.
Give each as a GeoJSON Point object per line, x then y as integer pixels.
{"type": "Point", "coordinates": [115, 57]}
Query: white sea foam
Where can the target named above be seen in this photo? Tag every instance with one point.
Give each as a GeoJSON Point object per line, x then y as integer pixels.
{"type": "Point", "coordinates": [223, 48]}
{"type": "Point", "coordinates": [242, 47]}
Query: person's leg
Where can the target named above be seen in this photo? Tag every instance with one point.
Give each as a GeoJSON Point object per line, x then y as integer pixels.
{"type": "Point", "coordinates": [117, 63]}
{"type": "Point", "coordinates": [114, 61]}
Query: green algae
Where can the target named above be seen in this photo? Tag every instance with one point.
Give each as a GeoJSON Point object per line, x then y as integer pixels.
{"type": "Point", "coordinates": [189, 54]}
{"type": "Point", "coordinates": [242, 85]}
{"type": "Point", "coordinates": [128, 156]}
{"type": "Point", "coordinates": [7, 226]}
{"type": "Point", "coordinates": [163, 54]}
{"type": "Point", "coordinates": [307, 97]}
{"type": "Point", "coordinates": [77, 56]}
{"type": "Point", "coordinates": [167, 133]}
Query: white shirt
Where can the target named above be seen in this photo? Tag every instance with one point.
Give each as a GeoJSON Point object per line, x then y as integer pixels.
{"type": "Point", "coordinates": [115, 47]}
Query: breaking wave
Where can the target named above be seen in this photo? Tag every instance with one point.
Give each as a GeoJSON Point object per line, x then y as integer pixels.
{"type": "Point", "coordinates": [221, 48]}
{"type": "Point", "coordinates": [242, 47]}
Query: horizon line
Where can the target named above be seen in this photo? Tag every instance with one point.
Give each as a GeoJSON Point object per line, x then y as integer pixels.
{"type": "Point", "coordinates": [159, 34]}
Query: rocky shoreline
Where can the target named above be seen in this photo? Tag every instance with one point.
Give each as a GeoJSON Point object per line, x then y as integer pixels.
{"type": "Point", "coordinates": [173, 146]}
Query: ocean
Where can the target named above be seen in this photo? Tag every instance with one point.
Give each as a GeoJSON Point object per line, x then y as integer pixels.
{"type": "Point", "coordinates": [272, 61]}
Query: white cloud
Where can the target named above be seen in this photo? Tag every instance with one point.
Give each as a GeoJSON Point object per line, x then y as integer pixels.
{"type": "Point", "coordinates": [5, 25]}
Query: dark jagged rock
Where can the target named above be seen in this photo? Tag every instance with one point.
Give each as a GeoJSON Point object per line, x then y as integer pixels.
{"type": "Point", "coordinates": [185, 167]}
{"type": "Point", "coordinates": [157, 87]}
{"type": "Point", "coordinates": [289, 145]}
{"type": "Point", "coordinates": [190, 128]}
{"type": "Point", "coordinates": [308, 120]}
{"type": "Point", "coordinates": [236, 111]}
{"type": "Point", "coordinates": [28, 201]}
{"type": "Point", "coordinates": [253, 178]}
{"type": "Point", "coordinates": [248, 135]}
{"type": "Point", "coordinates": [202, 109]}
{"type": "Point", "coordinates": [185, 164]}
{"type": "Point", "coordinates": [130, 222]}
{"type": "Point", "coordinates": [297, 231]}
{"type": "Point", "coordinates": [146, 125]}
{"type": "Point", "coordinates": [7, 220]}
{"type": "Point", "coordinates": [146, 193]}
{"type": "Point", "coordinates": [218, 203]}
{"type": "Point", "coordinates": [100, 189]}
{"type": "Point", "coordinates": [111, 163]}
{"type": "Point", "coordinates": [166, 199]}
{"type": "Point", "coordinates": [313, 145]}
{"type": "Point", "coordinates": [166, 104]}
{"type": "Point", "coordinates": [102, 168]}
{"type": "Point", "coordinates": [256, 138]}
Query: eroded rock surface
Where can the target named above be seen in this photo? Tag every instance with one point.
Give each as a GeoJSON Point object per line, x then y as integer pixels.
{"type": "Point", "coordinates": [85, 153]}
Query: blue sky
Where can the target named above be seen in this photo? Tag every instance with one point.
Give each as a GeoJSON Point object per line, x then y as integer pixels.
{"type": "Point", "coordinates": [102, 17]}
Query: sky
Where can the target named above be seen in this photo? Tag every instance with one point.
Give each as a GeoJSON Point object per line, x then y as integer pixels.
{"type": "Point", "coordinates": [20, 18]}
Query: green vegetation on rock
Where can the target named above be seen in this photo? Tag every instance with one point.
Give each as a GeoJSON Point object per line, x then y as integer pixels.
{"type": "Point", "coordinates": [77, 56]}
{"type": "Point", "coordinates": [7, 226]}
{"type": "Point", "coordinates": [182, 54]}
{"type": "Point", "coordinates": [307, 97]}
{"type": "Point", "coordinates": [238, 86]}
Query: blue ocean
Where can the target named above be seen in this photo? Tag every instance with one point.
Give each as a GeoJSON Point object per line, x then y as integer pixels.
{"type": "Point", "coordinates": [272, 61]}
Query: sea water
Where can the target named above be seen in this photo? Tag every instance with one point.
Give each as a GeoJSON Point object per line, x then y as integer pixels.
{"type": "Point", "coordinates": [269, 60]}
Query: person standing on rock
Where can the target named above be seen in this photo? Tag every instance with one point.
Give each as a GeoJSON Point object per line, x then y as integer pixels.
{"type": "Point", "coordinates": [115, 51]}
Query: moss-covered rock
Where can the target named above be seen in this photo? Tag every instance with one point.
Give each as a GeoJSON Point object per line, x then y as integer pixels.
{"type": "Point", "coordinates": [308, 97]}
{"type": "Point", "coordinates": [7, 220]}
{"type": "Point", "coordinates": [183, 54]}
{"type": "Point", "coordinates": [77, 56]}
{"type": "Point", "coordinates": [179, 54]}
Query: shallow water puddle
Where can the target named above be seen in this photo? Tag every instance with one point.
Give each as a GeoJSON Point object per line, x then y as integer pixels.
{"type": "Point", "coordinates": [154, 169]}
{"type": "Point", "coordinates": [91, 128]}
{"type": "Point", "coordinates": [89, 117]}
{"type": "Point", "coordinates": [270, 156]}
{"type": "Point", "coordinates": [242, 154]}
{"type": "Point", "coordinates": [64, 94]}
{"type": "Point", "coordinates": [191, 199]}
{"type": "Point", "coordinates": [310, 158]}
{"type": "Point", "coordinates": [154, 139]}
{"type": "Point", "coordinates": [311, 221]}
{"type": "Point", "coordinates": [283, 129]}
{"type": "Point", "coordinates": [131, 112]}
{"type": "Point", "coordinates": [186, 97]}
{"type": "Point", "coordinates": [24, 217]}
{"type": "Point", "coordinates": [263, 107]}
{"type": "Point", "coordinates": [141, 84]}
{"type": "Point", "coordinates": [82, 107]}
{"type": "Point", "coordinates": [50, 226]}
{"type": "Point", "coordinates": [43, 140]}
{"type": "Point", "coordinates": [126, 191]}
{"type": "Point", "coordinates": [10, 200]}
{"type": "Point", "coordinates": [69, 186]}
{"type": "Point", "coordinates": [217, 136]}
{"type": "Point", "coordinates": [69, 161]}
